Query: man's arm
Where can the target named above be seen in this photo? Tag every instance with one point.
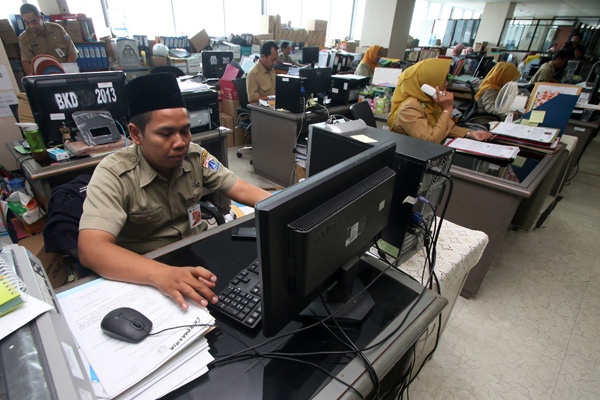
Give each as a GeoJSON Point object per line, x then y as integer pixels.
{"type": "Point", "coordinates": [252, 88]}
{"type": "Point", "coordinates": [247, 194]}
{"type": "Point", "coordinates": [126, 266]}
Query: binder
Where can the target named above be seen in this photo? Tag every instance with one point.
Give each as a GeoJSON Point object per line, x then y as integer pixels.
{"type": "Point", "coordinates": [10, 298]}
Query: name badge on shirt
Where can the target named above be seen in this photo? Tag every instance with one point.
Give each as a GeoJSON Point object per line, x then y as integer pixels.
{"type": "Point", "coordinates": [194, 215]}
{"type": "Point", "coordinates": [59, 52]}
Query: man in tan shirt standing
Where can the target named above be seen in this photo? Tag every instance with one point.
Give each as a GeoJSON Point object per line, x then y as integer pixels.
{"type": "Point", "coordinates": [43, 38]}
{"type": "Point", "coordinates": [260, 81]}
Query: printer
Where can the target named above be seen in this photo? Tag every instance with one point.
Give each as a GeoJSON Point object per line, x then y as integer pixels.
{"type": "Point", "coordinates": [204, 110]}
{"type": "Point", "coordinates": [345, 88]}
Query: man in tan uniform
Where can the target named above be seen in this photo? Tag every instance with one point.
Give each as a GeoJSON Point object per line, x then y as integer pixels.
{"type": "Point", "coordinates": [147, 196]}
{"type": "Point", "coordinates": [43, 38]}
{"type": "Point", "coordinates": [548, 70]}
{"type": "Point", "coordinates": [260, 81]}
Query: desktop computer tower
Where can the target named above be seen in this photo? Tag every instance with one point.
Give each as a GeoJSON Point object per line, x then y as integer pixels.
{"type": "Point", "coordinates": [345, 88]}
{"type": "Point", "coordinates": [413, 163]}
{"type": "Point", "coordinates": [289, 93]}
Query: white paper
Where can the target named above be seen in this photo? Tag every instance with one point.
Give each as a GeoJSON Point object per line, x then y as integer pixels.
{"type": "Point", "coordinates": [5, 83]}
{"type": "Point", "coordinates": [484, 148]}
{"type": "Point", "coordinates": [6, 99]}
{"type": "Point", "coordinates": [386, 76]}
{"type": "Point", "coordinates": [22, 315]}
{"type": "Point", "coordinates": [531, 133]}
{"type": "Point", "coordinates": [118, 364]}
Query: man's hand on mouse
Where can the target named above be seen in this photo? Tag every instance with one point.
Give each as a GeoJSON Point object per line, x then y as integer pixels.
{"type": "Point", "coordinates": [195, 283]}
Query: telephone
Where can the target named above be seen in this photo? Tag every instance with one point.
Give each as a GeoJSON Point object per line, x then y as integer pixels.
{"type": "Point", "coordinates": [429, 90]}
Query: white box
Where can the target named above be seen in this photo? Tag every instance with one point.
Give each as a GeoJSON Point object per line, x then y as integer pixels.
{"type": "Point", "coordinates": [58, 154]}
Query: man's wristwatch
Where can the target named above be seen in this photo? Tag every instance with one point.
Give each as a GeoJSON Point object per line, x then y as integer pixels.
{"type": "Point", "coordinates": [468, 135]}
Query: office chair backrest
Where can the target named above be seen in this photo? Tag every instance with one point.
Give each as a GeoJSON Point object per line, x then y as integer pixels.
{"type": "Point", "coordinates": [240, 86]}
{"type": "Point", "coordinates": [168, 68]}
{"type": "Point", "coordinates": [363, 111]}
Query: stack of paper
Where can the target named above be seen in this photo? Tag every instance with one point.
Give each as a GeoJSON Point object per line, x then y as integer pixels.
{"type": "Point", "coordinates": [533, 137]}
{"type": "Point", "coordinates": [484, 149]}
{"type": "Point", "coordinates": [155, 366]}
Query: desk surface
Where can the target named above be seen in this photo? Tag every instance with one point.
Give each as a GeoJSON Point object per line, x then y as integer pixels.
{"type": "Point", "coordinates": [277, 379]}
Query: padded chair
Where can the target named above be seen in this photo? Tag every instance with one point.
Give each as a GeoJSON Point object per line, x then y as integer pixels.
{"type": "Point", "coordinates": [471, 116]}
{"type": "Point", "coordinates": [243, 113]}
{"type": "Point", "coordinates": [363, 111]}
{"type": "Point", "coordinates": [168, 68]}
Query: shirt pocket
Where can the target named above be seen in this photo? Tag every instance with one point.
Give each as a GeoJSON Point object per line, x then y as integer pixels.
{"type": "Point", "coordinates": [147, 216]}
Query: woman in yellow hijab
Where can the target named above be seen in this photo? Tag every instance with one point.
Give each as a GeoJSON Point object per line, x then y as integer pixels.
{"type": "Point", "coordinates": [500, 75]}
{"type": "Point", "coordinates": [369, 61]}
{"type": "Point", "coordinates": [416, 114]}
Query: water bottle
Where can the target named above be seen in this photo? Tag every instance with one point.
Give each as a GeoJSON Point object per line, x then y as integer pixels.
{"type": "Point", "coordinates": [35, 140]}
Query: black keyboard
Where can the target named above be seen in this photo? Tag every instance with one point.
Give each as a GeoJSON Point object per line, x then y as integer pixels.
{"type": "Point", "coordinates": [240, 300]}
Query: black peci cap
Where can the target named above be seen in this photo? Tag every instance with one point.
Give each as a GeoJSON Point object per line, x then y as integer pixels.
{"type": "Point", "coordinates": [153, 92]}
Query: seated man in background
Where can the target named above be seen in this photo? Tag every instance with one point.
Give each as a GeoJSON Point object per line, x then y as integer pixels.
{"type": "Point", "coordinates": [548, 70]}
{"type": "Point", "coordinates": [43, 38]}
{"type": "Point", "coordinates": [260, 80]}
{"type": "Point", "coordinates": [500, 75]}
{"type": "Point", "coordinates": [284, 56]}
{"type": "Point", "coordinates": [147, 196]}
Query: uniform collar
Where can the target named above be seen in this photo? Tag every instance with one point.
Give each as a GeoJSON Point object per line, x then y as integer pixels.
{"type": "Point", "coordinates": [149, 174]}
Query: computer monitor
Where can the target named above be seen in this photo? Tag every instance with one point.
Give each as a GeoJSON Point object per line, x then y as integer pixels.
{"type": "Point", "coordinates": [313, 234]}
{"type": "Point", "coordinates": [54, 99]}
{"type": "Point", "coordinates": [484, 67]}
{"type": "Point", "coordinates": [214, 63]}
{"type": "Point", "coordinates": [318, 82]}
{"type": "Point", "coordinates": [310, 55]}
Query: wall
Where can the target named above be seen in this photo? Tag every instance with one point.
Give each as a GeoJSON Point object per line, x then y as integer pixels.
{"type": "Point", "coordinates": [387, 24]}
{"type": "Point", "coordinates": [492, 22]}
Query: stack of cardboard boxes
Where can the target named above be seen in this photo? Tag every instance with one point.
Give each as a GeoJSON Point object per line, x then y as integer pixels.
{"type": "Point", "coordinates": [228, 105]}
{"type": "Point", "coordinates": [312, 34]}
{"type": "Point", "coordinates": [11, 45]}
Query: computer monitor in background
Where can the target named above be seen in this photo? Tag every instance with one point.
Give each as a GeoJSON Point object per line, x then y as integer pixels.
{"type": "Point", "coordinates": [313, 234]}
{"type": "Point", "coordinates": [54, 99]}
{"type": "Point", "coordinates": [214, 63]}
{"type": "Point", "coordinates": [310, 55]}
{"type": "Point", "coordinates": [485, 65]}
{"type": "Point", "coordinates": [595, 93]}
{"type": "Point", "coordinates": [318, 82]}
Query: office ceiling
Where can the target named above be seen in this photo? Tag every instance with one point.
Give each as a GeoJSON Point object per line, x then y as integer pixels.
{"type": "Point", "coordinates": [538, 8]}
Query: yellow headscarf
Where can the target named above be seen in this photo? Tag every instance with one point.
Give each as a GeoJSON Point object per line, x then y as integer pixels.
{"type": "Point", "coordinates": [500, 75]}
{"type": "Point", "coordinates": [371, 58]}
{"type": "Point", "coordinates": [432, 71]}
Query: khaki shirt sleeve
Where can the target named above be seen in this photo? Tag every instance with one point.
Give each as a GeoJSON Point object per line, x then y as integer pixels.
{"type": "Point", "coordinates": [411, 119]}
{"type": "Point", "coordinates": [252, 87]}
{"type": "Point", "coordinates": [104, 209]}
{"type": "Point", "coordinates": [215, 176]}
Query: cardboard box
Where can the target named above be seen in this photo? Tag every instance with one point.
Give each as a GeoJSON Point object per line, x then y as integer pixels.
{"type": "Point", "coordinates": [239, 137]}
{"type": "Point", "coordinates": [228, 122]}
{"type": "Point", "coordinates": [12, 50]}
{"type": "Point", "coordinates": [230, 107]}
{"type": "Point", "coordinates": [199, 41]}
{"type": "Point", "coordinates": [157, 61]}
{"type": "Point", "coordinates": [56, 267]}
{"type": "Point", "coordinates": [7, 33]}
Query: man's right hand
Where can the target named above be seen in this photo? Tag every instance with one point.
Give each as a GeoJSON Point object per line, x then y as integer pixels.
{"type": "Point", "coordinates": [195, 283]}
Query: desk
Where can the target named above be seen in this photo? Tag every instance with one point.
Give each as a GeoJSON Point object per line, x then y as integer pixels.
{"type": "Point", "coordinates": [458, 250]}
{"type": "Point", "coordinates": [274, 137]}
{"type": "Point", "coordinates": [488, 203]}
{"type": "Point", "coordinates": [43, 178]}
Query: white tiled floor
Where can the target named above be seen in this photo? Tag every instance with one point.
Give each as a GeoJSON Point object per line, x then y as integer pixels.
{"type": "Point", "coordinates": [533, 329]}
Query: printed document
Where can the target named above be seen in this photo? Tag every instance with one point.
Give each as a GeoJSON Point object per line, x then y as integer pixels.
{"type": "Point", "coordinates": [483, 148]}
{"type": "Point", "coordinates": [119, 365]}
{"type": "Point", "coordinates": [525, 132]}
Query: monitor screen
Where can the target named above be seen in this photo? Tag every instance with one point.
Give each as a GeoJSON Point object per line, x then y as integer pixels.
{"type": "Point", "coordinates": [214, 63]}
{"type": "Point", "coordinates": [484, 67]}
{"type": "Point", "coordinates": [310, 55]}
{"type": "Point", "coordinates": [54, 99]}
{"type": "Point", "coordinates": [318, 81]}
{"type": "Point", "coordinates": [311, 234]}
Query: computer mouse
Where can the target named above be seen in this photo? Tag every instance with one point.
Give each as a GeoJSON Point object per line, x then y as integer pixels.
{"type": "Point", "coordinates": [126, 324]}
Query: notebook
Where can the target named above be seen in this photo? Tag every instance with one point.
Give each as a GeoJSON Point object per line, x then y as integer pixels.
{"type": "Point", "coordinates": [10, 298]}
